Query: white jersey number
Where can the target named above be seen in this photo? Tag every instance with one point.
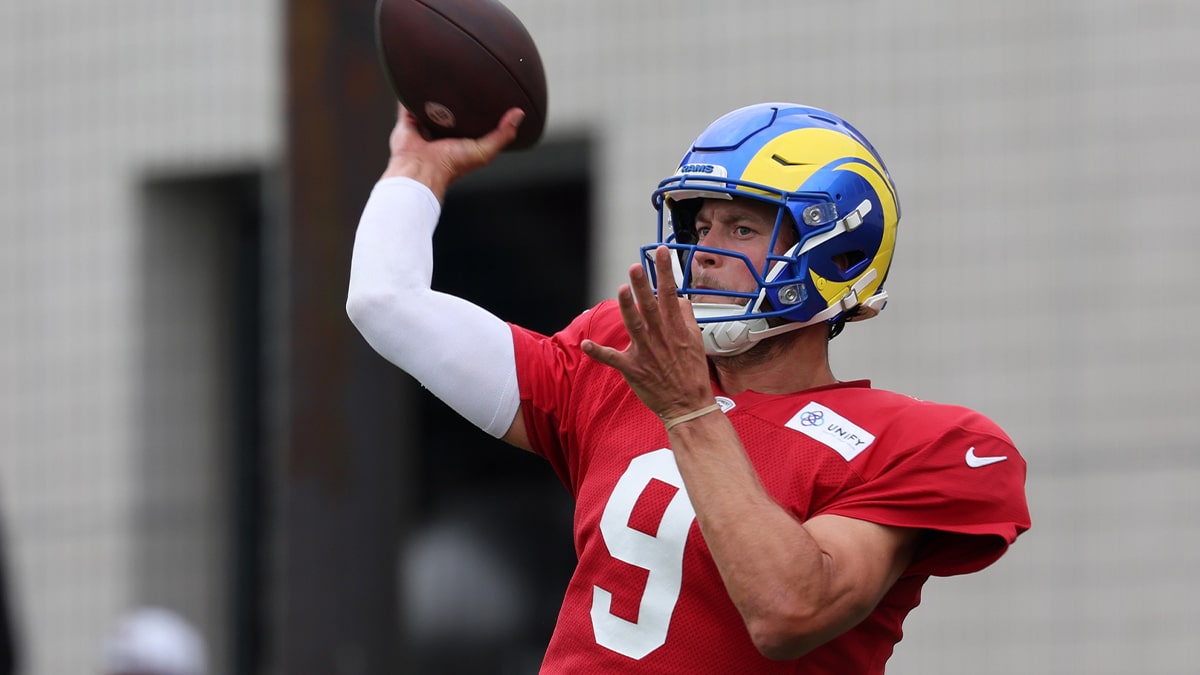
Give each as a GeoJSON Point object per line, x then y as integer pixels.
{"type": "Point", "coordinates": [661, 555]}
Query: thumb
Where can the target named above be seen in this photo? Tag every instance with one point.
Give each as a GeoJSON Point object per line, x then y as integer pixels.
{"type": "Point", "coordinates": [504, 133]}
{"type": "Point", "coordinates": [600, 353]}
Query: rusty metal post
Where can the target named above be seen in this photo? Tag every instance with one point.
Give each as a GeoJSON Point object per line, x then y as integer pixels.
{"type": "Point", "coordinates": [339, 489]}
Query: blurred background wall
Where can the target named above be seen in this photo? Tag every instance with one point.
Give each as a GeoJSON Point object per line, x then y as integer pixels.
{"type": "Point", "coordinates": [188, 420]}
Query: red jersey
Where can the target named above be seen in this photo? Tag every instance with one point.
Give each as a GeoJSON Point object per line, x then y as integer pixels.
{"type": "Point", "coordinates": [646, 596]}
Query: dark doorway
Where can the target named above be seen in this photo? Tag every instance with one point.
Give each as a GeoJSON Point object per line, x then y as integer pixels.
{"type": "Point", "coordinates": [200, 515]}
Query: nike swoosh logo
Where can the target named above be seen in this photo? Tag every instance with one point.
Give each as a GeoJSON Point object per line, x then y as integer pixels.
{"type": "Point", "coordinates": [974, 461]}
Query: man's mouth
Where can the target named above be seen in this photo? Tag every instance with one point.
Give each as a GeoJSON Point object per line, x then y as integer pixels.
{"type": "Point", "coordinates": [701, 283]}
{"type": "Point", "coordinates": [697, 294]}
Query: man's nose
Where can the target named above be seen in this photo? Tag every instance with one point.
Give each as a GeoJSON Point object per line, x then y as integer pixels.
{"type": "Point", "coordinates": [705, 259]}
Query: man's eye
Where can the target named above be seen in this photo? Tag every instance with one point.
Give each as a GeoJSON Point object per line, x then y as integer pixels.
{"type": "Point", "coordinates": [702, 232]}
{"type": "Point", "coordinates": [745, 231]}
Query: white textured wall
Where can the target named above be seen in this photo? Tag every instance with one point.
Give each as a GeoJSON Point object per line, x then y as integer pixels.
{"type": "Point", "coordinates": [1046, 158]}
{"type": "Point", "coordinates": [95, 97]}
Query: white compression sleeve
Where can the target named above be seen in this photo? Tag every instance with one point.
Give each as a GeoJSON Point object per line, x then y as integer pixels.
{"type": "Point", "coordinates": [459, 351]}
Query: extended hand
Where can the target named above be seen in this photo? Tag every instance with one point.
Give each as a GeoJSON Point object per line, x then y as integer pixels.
{"type": "Point", "coordinates": [664, 364]}
{"type": "Point", "coordinates": [439, 163]}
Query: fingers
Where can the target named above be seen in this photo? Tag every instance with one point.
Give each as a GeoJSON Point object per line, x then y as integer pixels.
{"type": "Point", "coordinates": [676, 310]}
{"type": "Point", "coordinates": [497, 139]}
{"type": "Point", "coordinates": [480, 150]}
{"type": "Point", "coordinates": [438, 163]}
{"type": "Point", "coordinates": [665, 307]}
{"type": "Point", "coordinates": [405, 116]}
{"type": "Point", "coordinates": [666, 276]}
{"type": "Point", "coordinates": [635, 326]}
{"type": "Point", "coordinates": [664, 268]}
{"type": "Point", "coordinates": [643, 292]}
{"type": "Point", "coordinates": [406, 129]}
{"type": "Point", "coordinates": [632, 312]}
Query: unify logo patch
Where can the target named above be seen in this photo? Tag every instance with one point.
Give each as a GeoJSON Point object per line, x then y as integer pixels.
{"type": "Point", "coordinates": [825, 426]}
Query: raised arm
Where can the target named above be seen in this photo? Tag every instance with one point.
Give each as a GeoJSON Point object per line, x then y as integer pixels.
{"type": "Point", "coordinates": [459, 351]}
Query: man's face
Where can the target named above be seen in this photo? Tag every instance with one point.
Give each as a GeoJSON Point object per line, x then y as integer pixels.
{"type": "Point", "coordinates": [741, 225]}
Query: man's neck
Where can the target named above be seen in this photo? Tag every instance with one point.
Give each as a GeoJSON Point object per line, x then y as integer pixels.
{"type": "Point", "coordinates": [782, 364]}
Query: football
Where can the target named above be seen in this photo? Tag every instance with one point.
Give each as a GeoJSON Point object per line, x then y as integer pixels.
{"type": "Point", "coordinates": [458, 65]}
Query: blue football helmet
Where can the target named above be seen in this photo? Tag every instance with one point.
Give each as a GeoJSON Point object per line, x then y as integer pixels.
{"type": "Point", "coordinates": [832, 190]}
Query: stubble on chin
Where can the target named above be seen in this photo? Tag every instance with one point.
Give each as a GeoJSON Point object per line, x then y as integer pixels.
{"type": "Point", "coordinates": [763, 352]}
{"type": "Point", "coordinates": [702, 282]}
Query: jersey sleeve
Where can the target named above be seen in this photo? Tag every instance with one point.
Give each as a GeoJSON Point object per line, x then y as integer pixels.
{"type": "Point", "coordinates": [548, 368]}
{"type": "Point", "coordinates": [965, 486]}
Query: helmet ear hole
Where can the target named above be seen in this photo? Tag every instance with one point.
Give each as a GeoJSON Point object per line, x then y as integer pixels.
{"type": "Point", "coordinates": [848, 261]}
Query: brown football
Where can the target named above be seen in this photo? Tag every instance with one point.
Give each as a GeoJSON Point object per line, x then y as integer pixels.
{"type": "Point", "coordinates": [458, 65]}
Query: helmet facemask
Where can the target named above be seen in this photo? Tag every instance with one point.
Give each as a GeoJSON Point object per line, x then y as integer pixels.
{"type": "Point", "coordinates": [783, 292]}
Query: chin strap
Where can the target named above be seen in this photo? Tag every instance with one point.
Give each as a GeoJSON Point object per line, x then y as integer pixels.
{"type": "Point", "coordinates": [735, 336]}
{"type": "Point", "coordinates": [727, 338]}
